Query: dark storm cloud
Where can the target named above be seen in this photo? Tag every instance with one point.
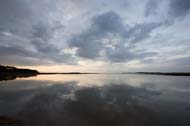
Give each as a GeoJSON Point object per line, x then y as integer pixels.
{"type": "Point", "coordinates": [176, 8]}
{"type": "Point", "coordinates": [90, 42]}
{"type": "Point", "coordinates": [109, 22]}
{"type": "Point", "coordinates": [179, 8]}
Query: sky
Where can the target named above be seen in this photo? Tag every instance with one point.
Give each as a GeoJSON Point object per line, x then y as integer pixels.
{"type": "Point", "coordinates": [96, 35]}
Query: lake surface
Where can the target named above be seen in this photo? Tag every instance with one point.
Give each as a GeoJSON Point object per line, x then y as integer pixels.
{"type": "Point", "coordinates": [95, 100]}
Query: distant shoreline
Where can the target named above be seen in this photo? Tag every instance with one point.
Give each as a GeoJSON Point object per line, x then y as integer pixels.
{"type": "Point", "coordinates": [145, 73]}
{"type": "Point", "coordinates": [160, 73]}
{"type": "Point", "coordinates": [41, 73]}
{"type": "Point", "coordinates": [11, 73]}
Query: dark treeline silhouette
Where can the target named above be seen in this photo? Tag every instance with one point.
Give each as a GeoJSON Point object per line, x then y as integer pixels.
{"type": "Point", "coordinates": [171, 74]}
{"type": "Point", "coordinates": [11, 73]}
{"type": "Point", "coordinates": [160, 73]}
{"type": "Point", "coordinates": [10, 69]}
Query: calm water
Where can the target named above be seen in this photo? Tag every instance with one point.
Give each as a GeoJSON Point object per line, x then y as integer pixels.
{"type": "Point", "coordinates": [95, 100]}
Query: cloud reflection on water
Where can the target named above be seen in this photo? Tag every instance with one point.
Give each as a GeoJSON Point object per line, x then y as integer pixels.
{"type": "Point", "coordinates": [108, 105]}
{"type": "Point", "coordinates": [111, 100]}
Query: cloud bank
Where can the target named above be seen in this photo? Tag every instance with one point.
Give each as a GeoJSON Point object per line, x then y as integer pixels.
{"type": "Point", "coordinates": [68, 32]}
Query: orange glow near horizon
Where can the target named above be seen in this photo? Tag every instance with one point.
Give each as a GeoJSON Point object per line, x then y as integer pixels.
{"type": "Point", "coordinates": [63, 68]}
{"type": "Point", "coordinates": [87, 66]}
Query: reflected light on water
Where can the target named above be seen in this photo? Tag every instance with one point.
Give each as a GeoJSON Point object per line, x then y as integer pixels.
{"type": "Point", "coordinates": [95, 100]}
{"type": "Point", "coordinates": [90, 79]}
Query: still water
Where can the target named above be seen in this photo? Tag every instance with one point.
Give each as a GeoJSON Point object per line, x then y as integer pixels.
{"type": "Point", "coordinates": [95, 100]}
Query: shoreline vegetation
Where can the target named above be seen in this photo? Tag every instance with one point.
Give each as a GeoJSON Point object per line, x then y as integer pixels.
{"type": "Point", "coordinates": [161, 73]}
{"type": "Point", "coordinates": [11, 73]}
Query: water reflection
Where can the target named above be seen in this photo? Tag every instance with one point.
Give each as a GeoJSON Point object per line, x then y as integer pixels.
{"type": "Point", "coordinates": [107, 100]}
{"type": "Point", "coordinates": [6, 77]}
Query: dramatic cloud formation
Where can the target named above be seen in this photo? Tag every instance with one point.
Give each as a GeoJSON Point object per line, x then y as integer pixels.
{"type": "Point", "coordinates": [110, 35]}
{"type": "Point", "coordinates": [129, 34]}
{"type": "Point", "coordinates": [179, 7]}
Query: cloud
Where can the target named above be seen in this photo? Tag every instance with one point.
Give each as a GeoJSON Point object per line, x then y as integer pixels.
{"type": "Point", "coordinates": [108, 22]}
{"type": "Point", "coordinates": [151, 7]}
{"type": "Point", "coordinates": [89, 42]}
{"type": "Point", "coordinates": [179, 8]}
{"type": "Point", "coordinates": [185, 61]}
{"type": "Point", "coordinates": [142, 31]}
{"type": "Point", "coordinates": [36, 47]}
{"type": "Point", "coordinates": [124, 54]}
{"type": "Point", "coordinates": [23, 61]}
{"type": "Point", "coordinates": [71, 31]}
{"type": "Point", "coordinates": [28, 31]}
{"type": "Point", "coordinates": [107, 27]}
{"type": "Point", "coordinates": [174, 8]}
